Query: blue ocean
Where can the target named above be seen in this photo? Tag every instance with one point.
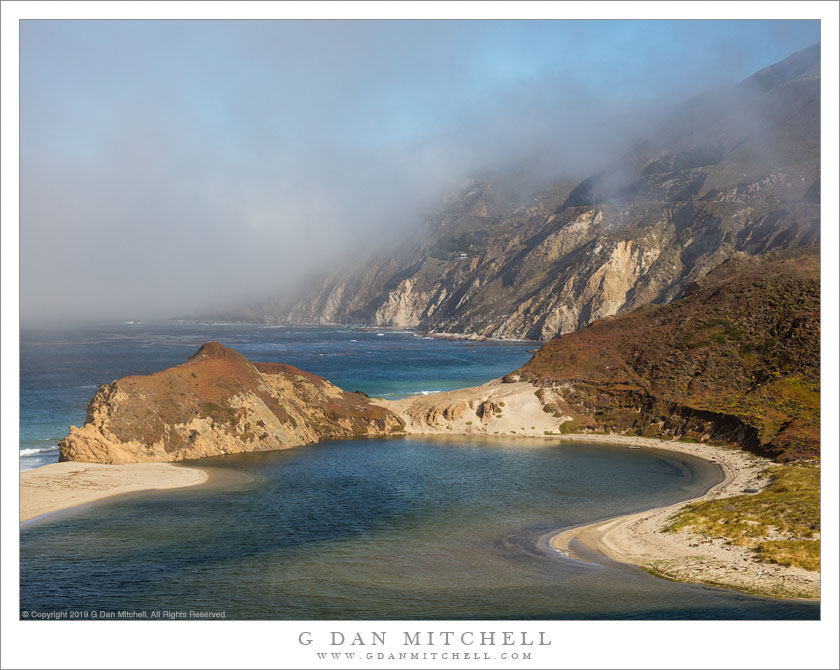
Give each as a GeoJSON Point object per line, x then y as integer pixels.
{"type": "Point", "coordinates": [398, 528]}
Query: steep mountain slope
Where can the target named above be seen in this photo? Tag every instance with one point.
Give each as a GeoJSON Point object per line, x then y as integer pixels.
{"type": "Point", "coordinates": [737, 359]}
{"type": "Point", "coordinates": [218, 403]}
{"type": "Point", "coordinates": [735, 170]}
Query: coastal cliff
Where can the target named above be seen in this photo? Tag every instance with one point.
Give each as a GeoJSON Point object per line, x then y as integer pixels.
{"type": "Point", "coordinates": [217, 403]}
{"type": "Point", "coordinates": [735, 171]}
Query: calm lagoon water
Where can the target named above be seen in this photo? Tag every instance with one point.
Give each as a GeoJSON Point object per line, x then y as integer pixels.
{"type": "Point", "coordinates": [378, 529]}
{"type": "Point", "coordinates": [402, 528]}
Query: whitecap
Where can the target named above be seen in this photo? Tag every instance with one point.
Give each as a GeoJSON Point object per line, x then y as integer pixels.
{"type": "Point", "coordinates": [44, 450]}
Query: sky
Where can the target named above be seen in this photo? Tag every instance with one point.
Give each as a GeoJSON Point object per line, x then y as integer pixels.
{"type": "Point", "coordinates": [169, 167]}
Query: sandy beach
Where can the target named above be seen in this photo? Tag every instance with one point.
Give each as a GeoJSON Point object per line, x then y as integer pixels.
{"type": "Point", "coordinates": [61, 485]}
{"type": "Point", "coordinates": [639, 539]}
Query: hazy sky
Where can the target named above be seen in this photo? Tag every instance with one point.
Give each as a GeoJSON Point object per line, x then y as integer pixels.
{"type": "Point", "coordinates": [169, 166]}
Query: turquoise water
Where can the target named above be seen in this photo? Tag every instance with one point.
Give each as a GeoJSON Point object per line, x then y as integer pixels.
{"type": "Point", "coordinates": [401, 528]}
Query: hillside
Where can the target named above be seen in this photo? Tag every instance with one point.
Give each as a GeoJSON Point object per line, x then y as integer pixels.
{"type": "Point", "coordinates": [733, 171]}
{"type": "Point", "coordinates": [218, 403]}
{"type": "Point", "coordinates": [736, 360]}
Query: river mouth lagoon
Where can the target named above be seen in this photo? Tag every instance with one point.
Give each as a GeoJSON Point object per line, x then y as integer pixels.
{"type": "Point", "coordinates": [397, 528]}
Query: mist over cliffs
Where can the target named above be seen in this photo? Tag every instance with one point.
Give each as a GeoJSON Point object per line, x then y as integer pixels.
{"type": "Point", "coordinates": [735, 170]}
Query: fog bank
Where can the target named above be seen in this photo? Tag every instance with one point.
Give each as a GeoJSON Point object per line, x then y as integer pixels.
{"type": "Point", "coordinates": [172, 167]}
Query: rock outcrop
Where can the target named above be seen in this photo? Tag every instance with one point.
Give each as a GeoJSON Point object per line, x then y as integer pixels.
{"type": "Point", "coordinates": [218, 403]}
{"type": "Point", "coordinates": [734, 171]}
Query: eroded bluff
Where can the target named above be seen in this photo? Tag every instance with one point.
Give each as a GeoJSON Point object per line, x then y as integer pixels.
{"type": "Point", "coordinates": [217, 403]}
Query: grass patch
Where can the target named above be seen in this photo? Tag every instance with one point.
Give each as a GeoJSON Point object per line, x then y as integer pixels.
{"type": "Point", "coordinates": [568, 427]}
{"type": "Point", "coordinates": [789, 507]}
{"type": "Point", "coordinates": [798, 553]}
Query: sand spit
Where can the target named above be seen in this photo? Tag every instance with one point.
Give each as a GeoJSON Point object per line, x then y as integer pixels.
{"type": "Point", "coordinates": [61, 485]}
{"type": "Point", "coordinates": [639, 539]}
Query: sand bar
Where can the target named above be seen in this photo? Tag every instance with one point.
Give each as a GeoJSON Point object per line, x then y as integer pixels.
{"type": "Point", "coordinates": [61, 485]}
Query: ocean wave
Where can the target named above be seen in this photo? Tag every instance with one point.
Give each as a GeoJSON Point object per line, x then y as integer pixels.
{"type": "Point", "coordinates": [400, 395]}
{"type": "Point", "coordinates": [43, 450]}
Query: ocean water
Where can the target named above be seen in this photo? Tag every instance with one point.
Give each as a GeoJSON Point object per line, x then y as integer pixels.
{"type": "Point", "coordinates": [401, 528]}
{"type": "Point", "coordinates": [61, 370]}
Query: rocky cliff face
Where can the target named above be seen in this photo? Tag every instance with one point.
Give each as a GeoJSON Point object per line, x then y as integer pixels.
{"type": "Point", "coordinates": [218, 403]}
{"type": "Point", "coordinates": [734, 171]}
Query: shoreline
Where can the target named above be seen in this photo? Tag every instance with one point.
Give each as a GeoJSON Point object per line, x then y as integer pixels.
{"type": "Point", "coordinates": [414, 330]}
{"type": "Point", "coordinates": [59, 486]}
{"type": "Point", "coordinates": [639, 538]}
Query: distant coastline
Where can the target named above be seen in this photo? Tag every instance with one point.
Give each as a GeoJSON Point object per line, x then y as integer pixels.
{"type": "Point", "coordinates": [415, 331]}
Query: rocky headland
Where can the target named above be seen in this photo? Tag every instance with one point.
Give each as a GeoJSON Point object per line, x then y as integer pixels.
{"type": "Point", "coordinates": [218, 403]}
